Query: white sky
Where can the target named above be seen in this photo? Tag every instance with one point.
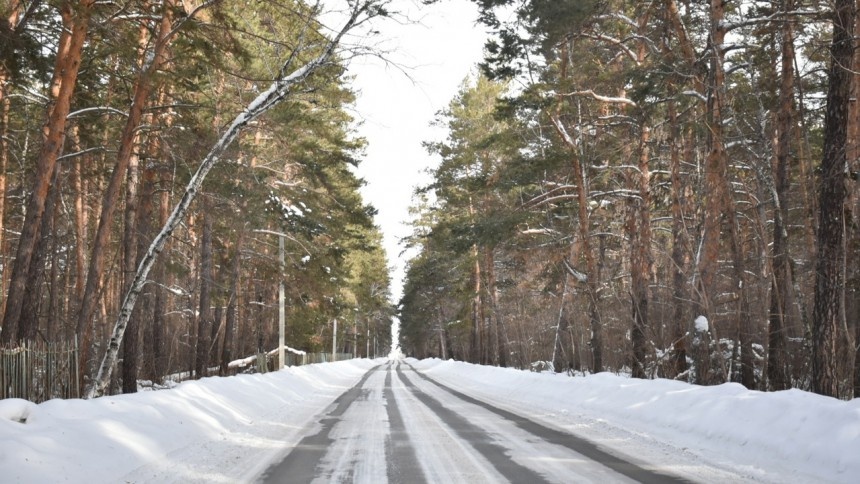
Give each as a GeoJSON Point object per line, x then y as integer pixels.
{"type": "Point", "coordinates": [396, 104]}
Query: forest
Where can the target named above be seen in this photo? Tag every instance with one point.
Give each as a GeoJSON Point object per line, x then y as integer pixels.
{"type": "Point", "coordinates": [111, 116]}
{"type": "Point", "coordinates": [664, 188]}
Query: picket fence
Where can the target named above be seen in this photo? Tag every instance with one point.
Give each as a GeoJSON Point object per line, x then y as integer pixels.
{"type": "Point", "coordinates": [39, 371]}
{"type": "Point", "coordinates": [310, 358]}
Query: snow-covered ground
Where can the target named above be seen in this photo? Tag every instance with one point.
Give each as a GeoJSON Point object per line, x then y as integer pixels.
{"type": "Point", "coordinates": [212, 430]}
{"type": "Point", "coordinates": [788, 436]}
{"type": "Point", "coordinates": [230, 429]}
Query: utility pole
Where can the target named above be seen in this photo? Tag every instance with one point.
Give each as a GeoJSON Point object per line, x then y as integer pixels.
{"type": "Point", "coordinates": [282, 317]}
{"type": "Point", "coordinates": [334, 342]}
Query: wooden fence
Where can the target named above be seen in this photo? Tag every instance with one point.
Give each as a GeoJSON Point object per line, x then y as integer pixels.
{"type": "Point", "coordinates": [265, 362]}
{"type": "Point", "coordinates": [310, 358]}
{"type": "Point", "coordinates": [39, 371]}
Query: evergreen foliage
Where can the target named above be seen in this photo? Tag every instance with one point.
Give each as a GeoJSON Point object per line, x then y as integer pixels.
{"type": "Point", "coordinates": [651, 163]}
{"type": "Point", "coordinates": [290, 172]}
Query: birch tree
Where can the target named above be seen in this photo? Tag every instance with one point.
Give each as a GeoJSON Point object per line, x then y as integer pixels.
{"type": "Point", "coordinates": [291, 75]}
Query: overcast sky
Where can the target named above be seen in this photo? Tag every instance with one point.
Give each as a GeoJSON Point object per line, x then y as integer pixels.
{"type": "Point", "coordinates": [437, 50]}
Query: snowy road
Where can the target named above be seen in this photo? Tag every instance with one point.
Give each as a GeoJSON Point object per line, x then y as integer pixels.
{"type": "Point", "coordinates": [376, 431]}
{"type": "Point", "coordinates": [377, 421]}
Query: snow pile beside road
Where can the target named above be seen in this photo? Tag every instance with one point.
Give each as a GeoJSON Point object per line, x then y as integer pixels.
{"type": "Point", "coordinates": [230, 429]}
{"type": "Point", "coordinates": [802, 434]}
{"type": "Point", "coordinates": [212, 430]}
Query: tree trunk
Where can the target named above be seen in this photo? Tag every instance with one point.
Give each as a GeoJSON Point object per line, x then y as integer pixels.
{"type": "Point", "coordinates": [560, 360]}
{"type": "Point", "coordinates": [742, 310]}
{"type": "Point", "coordinates": [715, 169]}
{"type": "Point", "coordinates": [162, 179]}
{"type": "Point", "coordinates": [145, 214]}
{"type": "Point", "coordinates": [498, 332]}
{"type": "Point", "coordinates": [28, 324]}
{"type": "Point", "coordinates": [131, 345]}
{"type": "Point", "coordinates": [681, 252]}
{"type": "Point", "coordinates": [782, 285]}
{"type": "Point", "coordinates": [477, 341]}
{"type": "Point", "coordinates": [640, 257]}
{"type": "Point", "coordinates": [443, 334]}
{"type": "Point", "coordinates": [4, 155]}
{"type": "Point", "coordinates": [591, 276]}
{"type": "Point", "coordinates": [75, 17]}
{"type": "Point", "coordinates": [79, 188]}
{"type": "Point", "coordinates": [852, 284]}
{"type": "Point", "coordinates": [230, 324]}
{"type": "Point", "coordinates": [204, 316]}
{"type": "Point", "coordinates": [830, 265]}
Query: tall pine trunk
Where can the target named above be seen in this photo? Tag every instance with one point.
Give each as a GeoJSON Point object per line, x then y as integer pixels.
{"type": "Point", "coordinates": [131, 345]}
{"type": "Point", "coordinates": [681, 252]}
{"type": "Point", "coordinates": [230, 322]}
{"type": "Point", "coordinates": [830, 265]}
{"type": "Point", "coordinates": [499, 335]}
{"type": "Point", "coordinates": [640, 257]}
{"type": "Point", "coordinates": [28, 324]}
{"type": "Point", "coordinates": [477, 341]}
{"type": "Point", "coordinates": [782, 285]}
{"type": "Point", "coordinates": [852, 278]}
{"type": "Point", "coordinates": [204, 315]}
{"type": "Point", "coordinates": [592, 277]}
{"type": "Point", "coordinates": [715, 168]}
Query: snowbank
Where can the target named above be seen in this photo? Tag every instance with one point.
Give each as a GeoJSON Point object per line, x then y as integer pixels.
{"type": "Point", "coordinates": [178, 435]}
{"type": "Point", "coordinates": [229, 429]}
{"type": "Point", "coordinates": [807, 437]}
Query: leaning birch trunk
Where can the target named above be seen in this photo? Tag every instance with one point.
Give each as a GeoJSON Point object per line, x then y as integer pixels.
{"type": "Point", "coordinates": [277, 92]}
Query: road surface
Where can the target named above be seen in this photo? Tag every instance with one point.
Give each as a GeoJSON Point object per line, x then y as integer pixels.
{"type": "Point", "coordinates": [397, 425]}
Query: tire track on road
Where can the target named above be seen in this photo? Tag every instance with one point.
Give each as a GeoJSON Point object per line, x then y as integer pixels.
{"type": "Point", "coordinates": [301, 464]}
{"type": "Point", "coordinates": [403, 465]}
{"type": "Point", "coordinates": [564, 439]}
{"type": "Point", "coordinates": [476, 436]}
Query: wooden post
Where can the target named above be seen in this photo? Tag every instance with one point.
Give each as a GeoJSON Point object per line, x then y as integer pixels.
{"type": "Point", "coordinates": [281, 309]}
{"type": "Point", "coordinates": [334, 342]}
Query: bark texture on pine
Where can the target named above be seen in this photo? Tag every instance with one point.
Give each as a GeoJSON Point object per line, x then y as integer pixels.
{"type": "Point", "coordinates": [852, 210]}
{"type": "Point", "coordinates": [204, 315]}
{"type": "Point", "coordinates": [681, 252]}
{"type": "Point", "coordinates": [131, 230]}
{"type": "Point", "coordinates": [829, 274]}
{"type": "Point", "coordinates": [28, 323]}
{"type": "Point", "coordinates": [715, 193]}
{"type": "Point", "coordinates": [477, 340]}
{"type": "Point", "coordinates": [829, 269]}
{"type": "Point", "coordinates": [499, 335]}
{"type": "Point", "coordinates": [230, 318]}
{"type": "Point", "coordinates": [782, 285]}
{"type": "Point", "coordinates": [640, 257]}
